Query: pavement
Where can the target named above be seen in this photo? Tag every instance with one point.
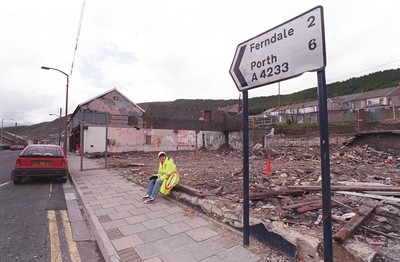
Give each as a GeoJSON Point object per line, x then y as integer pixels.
{"type": "Point", "coordinates": [127, 229]}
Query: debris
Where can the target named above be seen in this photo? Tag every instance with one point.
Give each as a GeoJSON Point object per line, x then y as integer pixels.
{"type": "Point", "coordinates": [356, 169]}
{"type": "Point", "coordinates": [273, 193]}
{"type": "Point", "coordinates": [319, 219]}
{"type": "Point", "coordinates": [395, 199]}
{"type": "Point", "coordinates": [348, 188]}
{"type": "Point", "coordinates": [353, 224]}
{"type": "Point", "coordinates": [218, 190]}
{"type": "Point", "coordinates": [344, 217]}
{"type": "Point", "coordinates": [376, 232]}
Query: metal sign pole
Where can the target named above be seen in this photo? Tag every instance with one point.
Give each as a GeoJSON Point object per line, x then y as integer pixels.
{"type": "Point", "coordinates": [106, 141]}
{"type": "Point", "coordinates": [325, 167]}
{"type": "Point", "coordinates": [246, 230]}
{"type": "Point", "coordinates": [82, 144]}
{"type": "Point", "coordinates": [284, 52]}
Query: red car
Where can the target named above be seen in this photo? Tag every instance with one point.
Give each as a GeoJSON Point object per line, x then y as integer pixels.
{"type": "Point", "coordinates": [40, 161]}
{"type": "Point", "coordinates": [14, 147]}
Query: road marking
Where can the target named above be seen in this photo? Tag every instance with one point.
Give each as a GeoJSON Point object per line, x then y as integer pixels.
{"type": "Point", "coordinates": [54, 238]}
{"type": "Point", "coordinates": [4, 184]}
{"type": "Point", "coordinates": [73, 249]}
{"type": "Point", "coordinates": [50, 189]}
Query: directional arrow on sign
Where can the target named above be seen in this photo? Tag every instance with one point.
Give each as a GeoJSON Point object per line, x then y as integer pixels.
{"type": "Point", "coordinates": [284, 52]}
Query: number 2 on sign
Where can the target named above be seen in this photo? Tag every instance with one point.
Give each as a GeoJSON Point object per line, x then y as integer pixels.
{"type": "Point", "coordinates": [311, 44]}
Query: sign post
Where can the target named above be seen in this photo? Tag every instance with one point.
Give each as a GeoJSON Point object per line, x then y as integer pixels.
{"type": "Point", "coordinates": [283, 52]}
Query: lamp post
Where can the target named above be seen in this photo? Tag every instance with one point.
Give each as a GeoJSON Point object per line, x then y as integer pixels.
{"type": "Point", "coordinates": [59, 129]}
{"type": "Point", "coordinates": [66, 106]}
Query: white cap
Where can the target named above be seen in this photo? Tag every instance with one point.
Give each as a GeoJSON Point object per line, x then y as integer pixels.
{"type": "Point", "coordinates": [161, 153]}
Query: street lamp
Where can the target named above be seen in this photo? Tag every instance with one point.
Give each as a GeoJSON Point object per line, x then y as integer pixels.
{"type": "Point", "coordinates": [59, 129]}
{"type": "Point", "coordinates": [66, 106]}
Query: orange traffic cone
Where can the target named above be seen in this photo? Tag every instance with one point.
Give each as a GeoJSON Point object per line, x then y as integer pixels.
{"type": "Point", "coordinates": [268, 167]}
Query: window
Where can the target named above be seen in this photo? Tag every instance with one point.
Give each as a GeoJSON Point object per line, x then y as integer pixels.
{"type": "Point", "coordinates": [148, 140]}
{"type": "Point", "coordinates": [42, 151]}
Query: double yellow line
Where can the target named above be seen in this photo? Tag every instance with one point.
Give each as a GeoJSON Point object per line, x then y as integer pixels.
{"type": "Point", "coordinates": [56, 255]}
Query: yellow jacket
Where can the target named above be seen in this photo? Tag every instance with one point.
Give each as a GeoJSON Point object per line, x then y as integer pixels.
{"type": "Point", "coordinates": [166, 169]}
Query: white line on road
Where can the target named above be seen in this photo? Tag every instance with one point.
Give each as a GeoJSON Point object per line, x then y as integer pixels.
{"type": "Point", "coordinates": [4, 184]}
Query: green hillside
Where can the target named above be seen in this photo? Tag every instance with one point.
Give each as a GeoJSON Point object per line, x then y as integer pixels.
{"type": "Point", "coordinates": [373, 81]}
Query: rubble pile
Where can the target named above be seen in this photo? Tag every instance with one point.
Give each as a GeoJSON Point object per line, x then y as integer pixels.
{"type": "Point", "coordinates": [365, 188]}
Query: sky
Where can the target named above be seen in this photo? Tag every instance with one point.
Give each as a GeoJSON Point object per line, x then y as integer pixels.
{"type": "Point", "coordinates": [156, 50]}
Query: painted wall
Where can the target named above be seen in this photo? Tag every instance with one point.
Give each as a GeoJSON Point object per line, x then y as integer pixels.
{"type": "Point", "coordinates": [210, 140]}
{"type": "Point", "coordinates": [124, 139]}
{"type": "Point", "coordinates": [160, 139]}
{"type": "Point", "coordinates": [277, 141]}
{"type": "Point", "coordinates": [147, 140]}
{"type": "Point", "coordinates": [94, 139]}
{"type": "Point", "coordinates": [186, 140]}
{"type": "Point", "coordinates": [236, 140]}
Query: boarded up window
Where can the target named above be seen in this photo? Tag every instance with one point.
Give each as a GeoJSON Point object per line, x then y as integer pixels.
{"type": "Point", "coordinates": [148, 140]}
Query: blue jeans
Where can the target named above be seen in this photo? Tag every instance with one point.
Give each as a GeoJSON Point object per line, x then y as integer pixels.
{"type": "Point", "coordinates": [154, 187]}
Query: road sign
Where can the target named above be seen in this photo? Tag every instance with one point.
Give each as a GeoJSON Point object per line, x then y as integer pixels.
{"type": "Point", "coordinates": [283, 52]}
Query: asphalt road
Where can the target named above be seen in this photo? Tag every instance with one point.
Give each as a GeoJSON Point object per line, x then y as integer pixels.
{"type": "Point", "coordinates": [34, 220]}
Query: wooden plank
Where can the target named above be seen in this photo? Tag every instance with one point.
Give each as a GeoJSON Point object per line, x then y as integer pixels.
{"type": "Point", "coordinates": [189, 190]}
{"type": "Point", "coordinates": [300, 204]}
{"type": "Point", "coordinates": [316, 205]}
{"type": "Point", "coordinates": [383, 193]}
{"type": "Point", "coordinates": [395, 199]}
{"type": "Point", "coordinates": [274, 193]}
{"type": "Point", "coordinates": [348, 188]}
{"type": "Point", "coordinates": [357, 183]}
{"type": "Point", "coordinates": [347, 230]}
{"type": "Point", "coordinates": [297, 205]}
{"type": "Point", "coordinates": [376, 232]}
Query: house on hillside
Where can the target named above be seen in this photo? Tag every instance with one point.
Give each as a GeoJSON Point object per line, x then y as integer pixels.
{"type": "Point", "coordinates": [341, 102]}
{"type": "Point", "coordinates": [341, 108]}
{"type": "Point", "coordinates": [379, 97]}
{"type": "Point", "coordinates": [394, 97]}
{"type": "Point", "coordinates": [299, 113]}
